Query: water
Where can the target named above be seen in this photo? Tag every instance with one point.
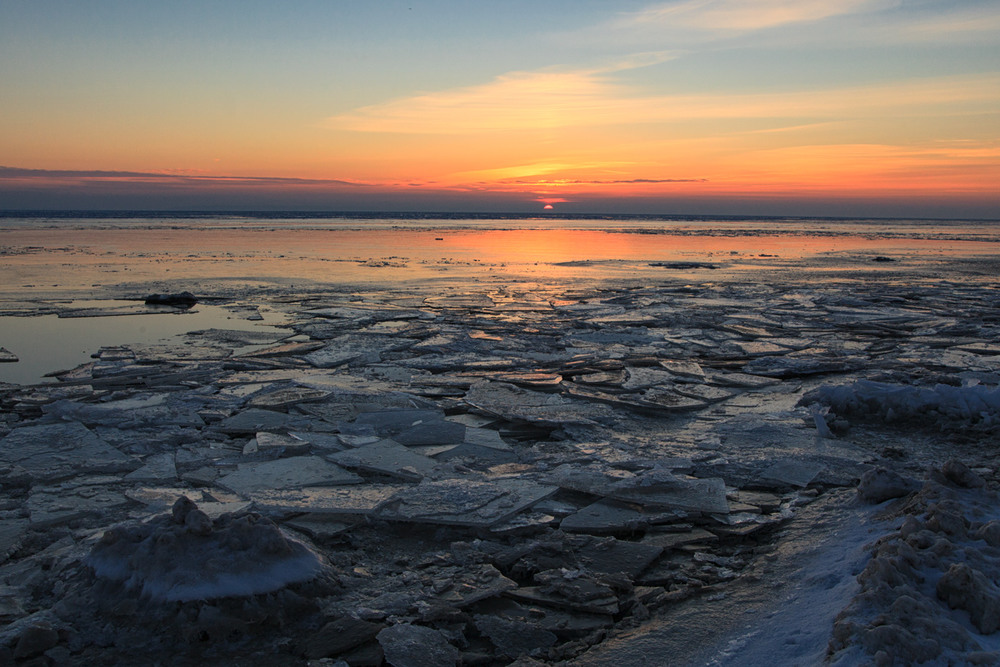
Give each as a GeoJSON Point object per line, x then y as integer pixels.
{"type": "Point", "coordinates": [46, 253]}
{"type": "Point", "coordinates": [236, 256]}
{"type": "Point", "coordinates": [48, 343]}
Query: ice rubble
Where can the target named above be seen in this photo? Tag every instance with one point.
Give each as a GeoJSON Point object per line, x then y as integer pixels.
{"type": "Point", "coordinates": [970, 405]}
{"type": "Point", "coordinates": [554, 466]}
{"type": "Point", "coordinates": [187, 556]}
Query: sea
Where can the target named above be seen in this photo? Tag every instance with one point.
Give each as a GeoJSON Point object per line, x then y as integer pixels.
{"type": "Point", "coordinates": [54, 261]}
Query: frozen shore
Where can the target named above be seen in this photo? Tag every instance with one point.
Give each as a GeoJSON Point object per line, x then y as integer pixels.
{"type": "Point", "coordinates": [503, 469]}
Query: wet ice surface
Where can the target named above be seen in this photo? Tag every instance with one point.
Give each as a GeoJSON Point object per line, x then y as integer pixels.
{"type": "Point", "coordinates": [503, 468]}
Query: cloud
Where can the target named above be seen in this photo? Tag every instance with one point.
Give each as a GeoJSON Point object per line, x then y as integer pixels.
{"type": "Point", "coordinates": [518, 100]}
{"type": "Point", "coordinates": [554, 99]}
{"type": "Point", "coordinates": [955, 22]}
{"type": "Point", "coordinates": [18, 173]}
{"type": "Point", "coordinates": [696, 25]}
{"type": "Point", "coordinates": [742, 16]}
{"type": "Point", "coordinates": [628, 181]}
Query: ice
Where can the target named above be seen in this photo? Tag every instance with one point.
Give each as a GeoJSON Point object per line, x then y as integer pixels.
{"type": "Point", "coordinates": [408, 645]}
{"type": "Point", "coordinates": [974, 406]}
{"type": "Point", "coordinates": [156, 468]}
{"type": "Point", "coordinates": [143, 410]}
{"type": "Point", "coordinates": [707, 496]}
{"type": "Point", "coordinates": [66, 502]}
{"type": "Point", "coordinates": [12, 532]}
{"type": "Point", "coordinates": [56, 451]}
{"type": "Point", "coordinates": [658, 490]}
{"type": "Point", "coordinates": [966, 588]}
{"type": "Point", "coordinates": [283, 349]}
{"type": "Point", "coordinates": [517, 404]}
{"type": "Point", "coordinates": [256, 419]}
{"type": "Point", "coordinates": [363, 500]}
{"type": "Point", "coordinates": [579, 473]}
{"type": "Point", "coordinates": [286, 396]}
{"type": "Point", "coordinates": [609, 556]}
{"type": "Point", "coordinates": [352, 349]}
{"type": "Point", "coordinates": [481, 445]}
{"type": "Point", "coordinates": [276, 444]}
{"type": "Point", "coordinates": [679, 539]}
{"type": "Point", "coordinates": [656, 399]}
{"type": "Point", "coordinates": [792, 472]}
{"type": "Point", "coordinates": [928, 593]}
{"type": "Point", "coordinates": [387, 457]}
{"type": "Point", "coordinates": [291, 473]}
{"type": "Point", "coordinates": [465, 503]}
{"type": "Point", "coordinates": [608, 516]}
{"type": "Point", "coordinates": [684, 368]}
{"type": "Point", "coordinates": [239, 337]}
{"type": "Point", "coordinates": [570, 589]}
{"type": "Point", "coordinates": [339, 636]}
{"type": "Point", "coordinates": [879, 484]}
{"type": "Point", "coordinates": [166, 560]}
{"type": "Point", "coordinates": [514, 638]}
{"type": "Point", "coordinates": [413, 426]}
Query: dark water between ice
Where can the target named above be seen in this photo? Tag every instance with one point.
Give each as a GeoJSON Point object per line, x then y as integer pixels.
{"type": "Point", "coordinates": [49, 343]}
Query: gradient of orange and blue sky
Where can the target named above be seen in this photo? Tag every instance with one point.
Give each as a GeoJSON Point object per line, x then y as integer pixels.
{"type": "Point", "coordinates": [774, 107]}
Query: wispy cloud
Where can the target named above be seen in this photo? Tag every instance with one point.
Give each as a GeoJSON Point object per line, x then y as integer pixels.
{"type": "Point", "coordinates": [518, 100]}
{"type": "Point", "coordinates": [740, 15]}
{"type": "Point", "coordinates": [695, 25]}
{"type": "Point", "coordinates": [551, 99]}
{"type": "Point", "coordinates": [536, 169]}
{"type": "Point", "coordinates": [18, 173]}
{"type": "Point", "coordinates": [954, 22]}
{"type": "Point", "coordinates": [623, 181]}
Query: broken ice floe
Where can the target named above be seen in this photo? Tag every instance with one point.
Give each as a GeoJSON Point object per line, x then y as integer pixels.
{"type": "Point", "coordinates": [519, 473]}
{"type": "Point", "coordinates": [61, 450]}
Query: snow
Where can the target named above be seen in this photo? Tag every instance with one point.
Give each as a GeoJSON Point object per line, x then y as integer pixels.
{"type": "Point", "coordinates": [796, 628]}
{"type": "Point", "coordinates": [186, 556]}
{"type": "Point", "coordinates": [927, 595]}
{"type": "Point", "coordinates": [970, 405]}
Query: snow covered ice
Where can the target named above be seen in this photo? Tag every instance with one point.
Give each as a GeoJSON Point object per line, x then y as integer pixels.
{"type": "Point", "coordinates": [187, 556]}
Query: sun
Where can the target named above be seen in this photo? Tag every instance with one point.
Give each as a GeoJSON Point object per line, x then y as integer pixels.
{"type": "Point", "coordinates": [548, 207]}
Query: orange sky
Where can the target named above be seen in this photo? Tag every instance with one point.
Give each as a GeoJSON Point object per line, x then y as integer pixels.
{"type": "Point", "coordinates": [601, 107]}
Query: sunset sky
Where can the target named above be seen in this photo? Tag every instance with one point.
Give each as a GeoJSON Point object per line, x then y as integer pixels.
{"type": "Point", "coordinates": [775, 107]}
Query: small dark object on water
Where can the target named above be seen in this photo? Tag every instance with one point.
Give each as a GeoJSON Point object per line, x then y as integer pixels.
{"type": "Point", "coordinates": [882, 258]}
{"type": "Point", "coordinates": [684, 265]}
{"type": "Point", "coordinates": [179, 300]}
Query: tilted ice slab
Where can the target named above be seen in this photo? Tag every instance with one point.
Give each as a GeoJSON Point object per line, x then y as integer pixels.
{"type": "Point", "coordinates": [61, 450]}
{"type": "Point", "coordinates": [186, 556]}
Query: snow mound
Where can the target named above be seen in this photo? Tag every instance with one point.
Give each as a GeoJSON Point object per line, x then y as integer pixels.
{"type": "Point", "coordinates": [972, 406]}
{"type": "Point", "coordinates": [186, 556]}
{"type": "Point", "coordinates": [928, 593]}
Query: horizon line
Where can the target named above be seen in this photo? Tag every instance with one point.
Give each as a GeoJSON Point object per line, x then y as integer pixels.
{"type": "Point", "coordinates": [415, 213]}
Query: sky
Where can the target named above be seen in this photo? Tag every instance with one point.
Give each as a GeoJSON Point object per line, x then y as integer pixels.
{"type": "Point", "coordinates": [761, 107]}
